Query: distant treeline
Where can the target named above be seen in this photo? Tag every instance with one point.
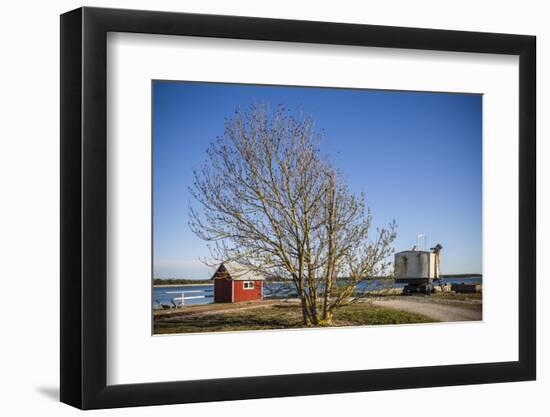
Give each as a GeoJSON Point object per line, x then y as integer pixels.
{"type": "Point", "coordinates": [180, 281]}
{"type": "Point", "coordinates": [185, 281]}
{"type": "Point", "coordinates": [460, 275]}
{"type": "Point", "coordinates": [281, 279]}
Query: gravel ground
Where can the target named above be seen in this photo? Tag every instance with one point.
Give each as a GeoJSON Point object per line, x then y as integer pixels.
{"type": "Point", "coordinates": [439, 312]}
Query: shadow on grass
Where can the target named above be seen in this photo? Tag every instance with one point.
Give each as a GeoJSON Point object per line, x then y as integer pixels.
{"type": "Point", "coordinates": [263, 318]}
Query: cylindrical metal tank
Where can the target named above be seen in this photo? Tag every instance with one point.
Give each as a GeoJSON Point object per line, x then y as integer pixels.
{"type": "Point", "coordinates": [412, 265]}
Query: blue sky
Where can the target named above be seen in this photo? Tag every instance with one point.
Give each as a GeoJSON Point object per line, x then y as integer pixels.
{"type": "Point", "coordinates": [416, 155]}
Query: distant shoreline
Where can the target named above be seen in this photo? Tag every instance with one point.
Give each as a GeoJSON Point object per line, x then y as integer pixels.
{"type": "Point", "coordinates": [201, 282]}
{"type": "Point", "coordinates": [180, 285]}
{"type": "Point", "coordinates": [461, 275]}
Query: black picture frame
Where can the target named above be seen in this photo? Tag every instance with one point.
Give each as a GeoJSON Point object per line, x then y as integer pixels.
{"type": "Point", "coordinates": [84, 207]}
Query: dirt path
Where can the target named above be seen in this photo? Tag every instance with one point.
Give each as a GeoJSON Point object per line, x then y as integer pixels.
{"type": "Point", "coordinates": [441, 312]}
{"type": "Point", "coordinates": [211, 308]}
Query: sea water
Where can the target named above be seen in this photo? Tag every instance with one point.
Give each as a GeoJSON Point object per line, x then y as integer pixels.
{"type": "Point", "coordinates": [165, 295]}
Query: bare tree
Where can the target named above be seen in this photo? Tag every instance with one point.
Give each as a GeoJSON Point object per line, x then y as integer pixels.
{"type": "Point", "coordinates": [267, 199]}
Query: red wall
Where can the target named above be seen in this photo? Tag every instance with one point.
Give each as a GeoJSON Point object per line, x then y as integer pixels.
{"type": "Point", "coordinates": [222, 290]}
{"type": "Point", "coordinates": [240, 294]}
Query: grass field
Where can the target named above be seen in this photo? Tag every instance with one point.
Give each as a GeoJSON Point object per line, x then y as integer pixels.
{"type": "Point", "coordinates": [280, 316]}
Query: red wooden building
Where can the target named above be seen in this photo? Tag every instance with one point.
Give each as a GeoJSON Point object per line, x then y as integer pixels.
{"type": "Point", "coordinates": [234, 283]}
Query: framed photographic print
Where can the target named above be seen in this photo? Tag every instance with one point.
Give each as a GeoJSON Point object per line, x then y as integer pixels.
{"type": "Point", "coordinates": [258, 208]}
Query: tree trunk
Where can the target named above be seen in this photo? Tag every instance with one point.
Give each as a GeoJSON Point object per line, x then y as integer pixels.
{"type": "Point", "coordinates": [314, 315]}
{"type": "Point", "coordinates": [305, 313]}
{"type": "Point", "coordinates": [327, 317]}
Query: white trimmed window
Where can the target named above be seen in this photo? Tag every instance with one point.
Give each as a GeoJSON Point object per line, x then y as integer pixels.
{"type": "Point", "coordinates": [248, 285]}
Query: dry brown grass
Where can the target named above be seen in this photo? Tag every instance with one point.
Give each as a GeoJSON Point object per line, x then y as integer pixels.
{"type": "Point", "coordinates": [280, 316]}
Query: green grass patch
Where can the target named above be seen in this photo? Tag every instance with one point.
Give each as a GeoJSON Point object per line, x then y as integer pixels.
{"type": "Point", "coordinates": [475, 297]}
{"type": "Point", "coordinates": [368, 314]}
